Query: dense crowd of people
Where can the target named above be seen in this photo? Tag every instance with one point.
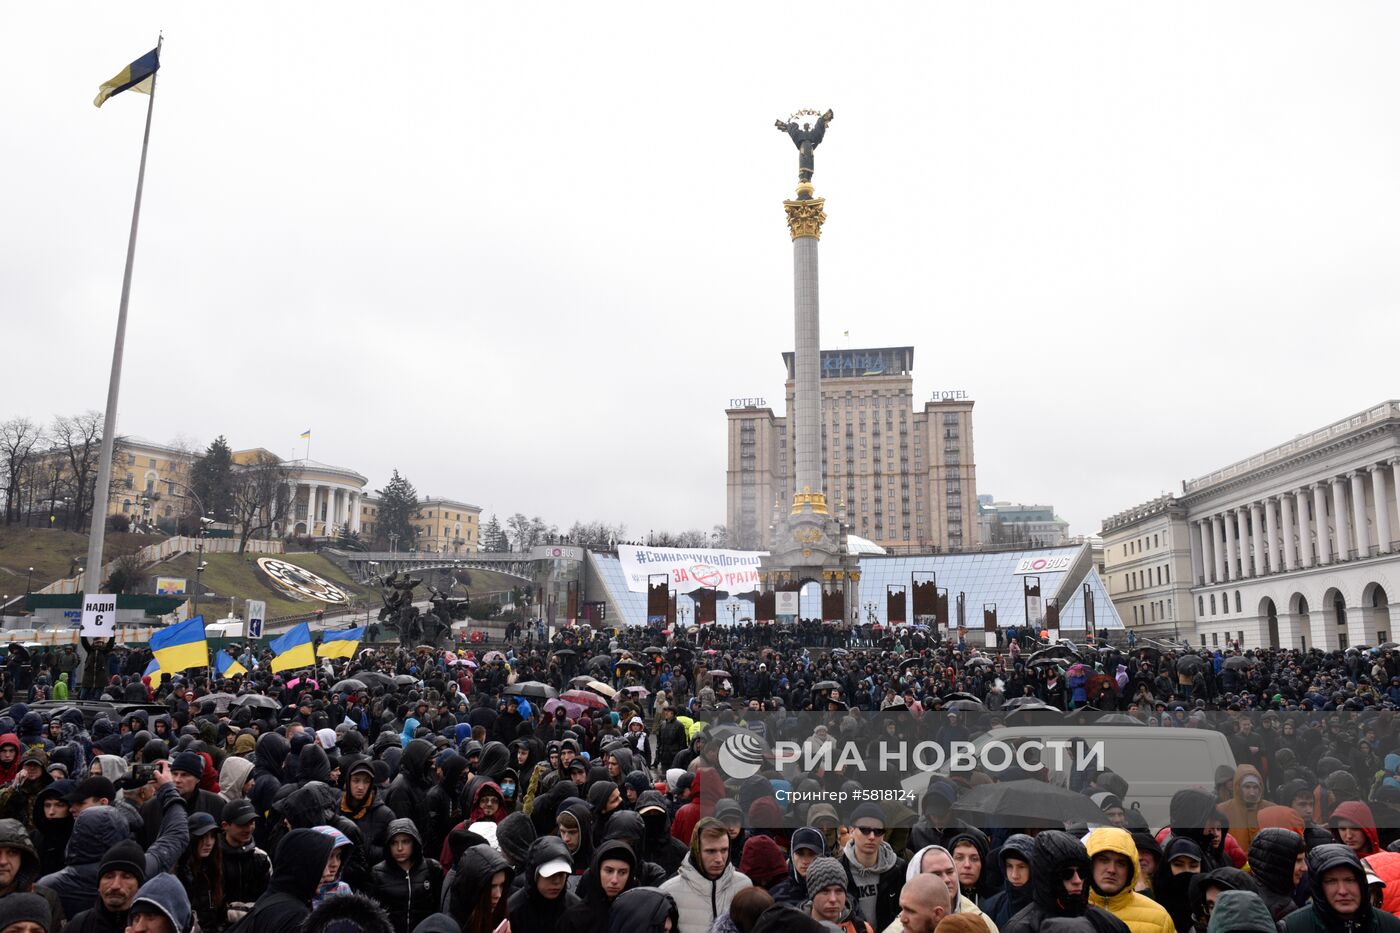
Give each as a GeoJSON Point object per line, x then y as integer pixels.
{"type": "Point", "coordinates": [578, 785]}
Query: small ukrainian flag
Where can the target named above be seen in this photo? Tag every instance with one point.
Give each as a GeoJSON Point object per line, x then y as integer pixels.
{"type": "Point", "coordinates": [181, 646]}
{"type": "Point", "coordinates": [305, 434]}
{"type": "Point", "coordinates": [341, 644]}
{"type": "Point", "coordinates": [139, 76]}
{"type": "Point", "coordinates": [293, 650]}
{"type": "Point", "coordinates": [227, 665]}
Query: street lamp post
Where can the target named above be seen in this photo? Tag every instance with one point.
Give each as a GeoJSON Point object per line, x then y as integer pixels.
{"type": "Point", "coordinates": [393, 543]}
{"type": "Point", "coordinates": [733, 611]}
{"type": "Point", "coordinates": [28, 581]}
{"type": "Point", "coordinates": [198, 569]}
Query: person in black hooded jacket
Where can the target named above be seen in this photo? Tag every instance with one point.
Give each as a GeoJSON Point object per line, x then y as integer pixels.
{"type": "Point", "coordinates": [270, 756]}
{"type": "Point", "coordinates": [1016, 895]}
{"type": "Point", "coordinates": [631, 829]}
{"type": "Point", "coordinates": [644, 910]}
{"type": "Point", "coordinates": [1339, 902]}
{"type": "Point", "coordinates": [444, 811]}
{"type": "Point", "coordinates": [1274, 858]}
{"type": "Point", "coordinates": [1060, 877]}
{"type": "Point", "coordinates": [604, 799]}
{"type": "Point", "coordinates": [301, 859]}
{"type": "Point", "coordinates": [539, 902]}
{"type": "Point", "coordinates": [408, 794]}
{"type": "Point", "coordinates": [574, 825]}
{"type": "Point", "coordinates": [659, 845]}
{"type": "Point", "coordinates": [603, 888]}
{"type": "Point", "coordinates": [362, 805]}
{"type": "Point", "coordinates": [1194, 815]}
{"type": "Point", "coordinates": [1181, 861]}
{"type": "Point", "coordinates": [479, 898]}
{"type": "Point", "coordinates": [407, 884]}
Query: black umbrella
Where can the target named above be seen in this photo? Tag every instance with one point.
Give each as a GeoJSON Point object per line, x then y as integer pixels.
{"type": "Point", "coordinates": [909, 662]}
{"type": "Point", "coordinates": [349, 685]}
{"type": "Point", "coordinates": [532, 689]}
{"type": "Point", "coordinates": [653, 649]}
{"type": "Point", "coordinates": [405, 680]}
{"type": "Point", "coordinates": [600, 660]}
{"type": "Point", "coordinates": [566, 653]}
{"type": "Point", "coordinates": [1239, 662]}
{"type": "Point", "coordinates": [959, 695]}
{"type": "Point", "coordinates": [839, 653]}
{"type": "Point", "coordinates": [965, 706]}
{"type": "Point", "coordinates": [1019, 803]}
{"type": "Point", "coordinates": [375, 678]}
{"type": "Point", "coordinates": [1018, 704]}
{"type": "Point", "coordinates": [978, 662]}
{"type": "Point", "coordinates": [1047, 662]}
{"type": "Point", "coordinates": [628, 662]}
{"type": "Point", "coordinates": [1063, 650]}
{"type": "Point", "coordinates": [826, 685]}
{"type": "Point", "coordinates": [1189, 664]}
{"type": "Point", "coordinates": [257, 701]}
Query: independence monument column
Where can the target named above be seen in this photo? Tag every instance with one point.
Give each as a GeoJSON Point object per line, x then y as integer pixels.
{"type": "Point", "coordinates": [808, 542]}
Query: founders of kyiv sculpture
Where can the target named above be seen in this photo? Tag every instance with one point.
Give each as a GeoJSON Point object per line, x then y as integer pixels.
{"type": "Point", "coordinates": [806, 138]}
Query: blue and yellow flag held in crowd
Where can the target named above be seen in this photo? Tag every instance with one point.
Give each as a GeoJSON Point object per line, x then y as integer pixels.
{"type": "Point", "coordinates": [153, 670]}
{"type": "Point", "coordinates": [342, 644]}
{"type": "Point", "coordinates": [227, 665]}
{"type": "Point", "coordinates": [293, 650]}
{"type": "Point", "coordinates": [138, 76]}
{"type": "Point", "coordinates": [181, 646]}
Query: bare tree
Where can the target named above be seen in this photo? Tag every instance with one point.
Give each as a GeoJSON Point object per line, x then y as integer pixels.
{"type": "Point", "coordinates": [595, 534]}
{"type": "Point", "coordinates": [79, 441]}
{"type": "Point", "coordinates": [261, 497]}
{"type": "Point", "coordinates": [18, 438]}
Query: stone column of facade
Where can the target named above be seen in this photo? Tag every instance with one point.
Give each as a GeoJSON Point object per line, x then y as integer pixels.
{"type": "Point", "coordinates": [1199, 560]}
{"type": "Point", "coordinates": [1340, 519]}
{"type": "Point", "coordinates": [805, 218]}
{"type": "Point", "coordinates": [311, 491]}
{"type": "Point", "coordinates": [1204, 528]}
{"type": "Point", "coordinates": [1324, 541]}
{"type": "Point", "coordinates": [1361, 527]}
{"type": "Point", "coordinates": [1271, 534]}
{"type": "Point", "coordinates": [1305, 530]}
{"type": "Point", "coordinates": [1241, 517]}
{"type": "Point", "coordinates": [1217, 528]}
{"type": "Point", "coordinates": [1231, 548]}
{"type": "Point", "coordinates": [355, 512]}
{"type": "Point", "coordinates": [1378, 494]}
{"type": "Point", "coordinates": [1256, 531]}
{"type": "Point", "coordinates": [1394, 464]}
{"type": "Point", "coordinates": [1285, 509]}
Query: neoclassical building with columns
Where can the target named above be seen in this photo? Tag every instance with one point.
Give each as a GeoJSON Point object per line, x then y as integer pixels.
{"type": "Point", "coordinates": [325, 498]}
{"type": "Point", "coordinates": [1299, 546]}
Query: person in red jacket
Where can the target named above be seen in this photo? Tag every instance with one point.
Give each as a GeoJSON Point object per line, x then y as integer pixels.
{"type": "Point", "coordinates": [1355, 827]}
{"type": "Point", "coordinates": [705, 792]}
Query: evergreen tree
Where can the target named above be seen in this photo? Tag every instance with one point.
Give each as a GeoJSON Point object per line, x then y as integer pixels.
{"type": "Point", "coordinates": [398, 506]}
{"type": "Point", "coordinates": [211, 480]}
{"type": "Point", "coordinates": [493, 537]}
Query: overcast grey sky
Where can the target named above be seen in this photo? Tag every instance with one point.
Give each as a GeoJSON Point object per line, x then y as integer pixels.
{"type": "Point", "coordinates": [526, 252]}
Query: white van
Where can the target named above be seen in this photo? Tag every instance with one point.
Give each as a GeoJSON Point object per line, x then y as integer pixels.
{"type": "Point", "coordinates": [1156, 762]}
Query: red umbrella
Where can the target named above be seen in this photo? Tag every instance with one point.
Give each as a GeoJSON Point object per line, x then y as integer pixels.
{"type": "Point", "coordinates": [586, 698]}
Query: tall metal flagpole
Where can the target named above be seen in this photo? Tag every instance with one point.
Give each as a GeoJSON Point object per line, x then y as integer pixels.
{"type": "Point", "coordinates": [92, 575]}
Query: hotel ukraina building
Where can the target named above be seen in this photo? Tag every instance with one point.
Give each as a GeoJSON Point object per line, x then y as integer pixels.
{"type": "Point", "coordinates": [1295, 547]}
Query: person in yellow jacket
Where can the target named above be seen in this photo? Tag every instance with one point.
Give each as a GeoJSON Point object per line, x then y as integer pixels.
{"type": "Point", "coordinates": [1113, 868]}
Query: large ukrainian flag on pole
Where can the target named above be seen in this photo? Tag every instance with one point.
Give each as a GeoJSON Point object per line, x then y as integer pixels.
{"type": "Point", "coordinates": [181, 646]}
{"type": "Point", "coordinates": [342, 644]}
{"type": "Point", "coordinates": [138, 76]}
{"type": "Point", "coordinates": [293, 650]}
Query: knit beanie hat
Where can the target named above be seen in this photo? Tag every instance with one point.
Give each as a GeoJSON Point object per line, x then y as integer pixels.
{"type": "Point", "coordinates": [823, 873]}
{"type": "Point", "coordinates": [127, 856]}
{"type": "Point", "coordinates": [24, 908]}
{"type": "Point", "coordinates": [763, 861]}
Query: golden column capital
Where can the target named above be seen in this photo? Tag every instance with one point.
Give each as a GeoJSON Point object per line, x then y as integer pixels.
{"type": "Point", "coordinates": [805, 217]}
